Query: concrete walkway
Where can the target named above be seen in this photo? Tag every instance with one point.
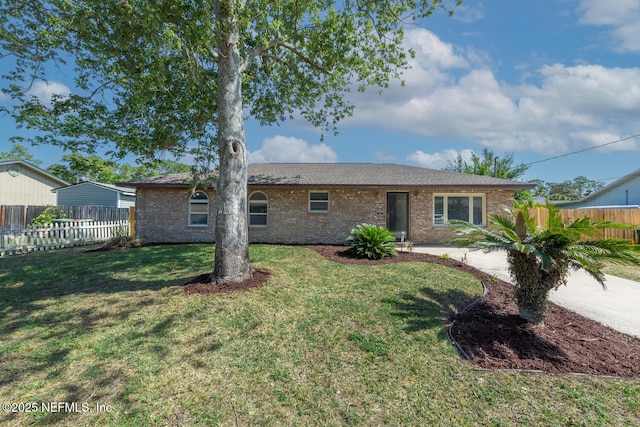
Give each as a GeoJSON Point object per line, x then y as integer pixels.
{"type": "Point", "coordinates": [617, 307]}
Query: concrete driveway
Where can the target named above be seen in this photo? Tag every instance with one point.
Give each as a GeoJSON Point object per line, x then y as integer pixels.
{"type": "Point", "coordinates": [617, 307]}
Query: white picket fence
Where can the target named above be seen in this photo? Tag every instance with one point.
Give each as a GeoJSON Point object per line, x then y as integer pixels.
{"type": "Point", "coordinates": [60, 235]}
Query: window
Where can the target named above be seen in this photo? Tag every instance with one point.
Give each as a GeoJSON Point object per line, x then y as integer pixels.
{"type": "Point", "coordinates": [319, 201]}
{"type": "Point", "coordinates": [464, 207]}
{"type": "Point", "coordinates": [199, 209]}
{"type": "Point", "coordinates": [258, 207]}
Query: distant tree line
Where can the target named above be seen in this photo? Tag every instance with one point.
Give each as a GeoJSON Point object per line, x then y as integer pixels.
{"type": "Point", "coordinates": [574, 189]}
{"type": "Point", "coordinates": [76, 167]}
{"type": "Point", "coordinates": [489, 164]}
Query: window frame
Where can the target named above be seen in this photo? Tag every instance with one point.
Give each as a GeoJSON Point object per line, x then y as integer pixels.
{"type": "Point", "coordinates": [264, 202]}
{"type": "Point", "coordinates": [442, 219]}
{"type": "Point", "coordinates": [198, 202]}
{"type": "Point", "coordinates": [317, 201]}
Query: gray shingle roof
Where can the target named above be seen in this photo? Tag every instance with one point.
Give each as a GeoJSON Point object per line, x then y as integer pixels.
{"type": "Point", "coordinates": [345, 174]}
{"type": "Point", "coordinates": [124, 190]}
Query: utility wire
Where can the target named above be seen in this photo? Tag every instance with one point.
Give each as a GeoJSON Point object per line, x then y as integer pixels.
{"type": "Point", "coordinates": [583, 150]}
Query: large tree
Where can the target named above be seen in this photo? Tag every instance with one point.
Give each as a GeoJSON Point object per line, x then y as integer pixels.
{"type": "Point", "coordinates": [77, 168]}
{"type": "Point", "coordinates": [19, 152]}
{"type": "Point", "coordinates": [488, 165]}
{"type": "Point", "coordinates": [182, 75]}
{"type": "Point", "coordinates": [84, 168]}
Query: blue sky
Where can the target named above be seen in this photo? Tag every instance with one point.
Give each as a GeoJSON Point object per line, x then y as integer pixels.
{"type": "Point", "coordinates": [538, 79]}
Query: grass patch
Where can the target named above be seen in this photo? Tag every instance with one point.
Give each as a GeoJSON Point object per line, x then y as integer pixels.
{"type": "Point", "coordinates": [320, 344]}
{"type": "Point", "coordinates": [624, 271]}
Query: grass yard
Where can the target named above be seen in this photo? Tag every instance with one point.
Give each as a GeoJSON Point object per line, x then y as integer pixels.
{"type": "Point", "coordinates": [624, 271]}
{"type": "Point", "coordinates": [320, 344]}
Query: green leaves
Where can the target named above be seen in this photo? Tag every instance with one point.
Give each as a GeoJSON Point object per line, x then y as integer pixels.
{"type": "Point", "coordinates": [143, 77]}
{"type": "Point", "coordinates": [371, 241]}
{"type": "Point", "coordinates": [180, 77]}
{"type": "Point", "coordinates": [146, 72]}
{"type": "Point", "coordinates": [489, 165]}
{"type": "Point", "coordinates": [540, 257]}
{"type": "Point", "coordinates": [47, 216]}
{"type": "Point", "coordinates": [556, 245]}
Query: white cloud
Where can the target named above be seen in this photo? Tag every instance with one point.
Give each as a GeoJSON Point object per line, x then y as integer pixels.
{"type": "Point", "coordinates": [433, 53]}
{"type": "Point", "coordinates": [611, 12]}
{"type": "Point", "coordinates": [592, 89]}
{"type": "Point", "coordinates": [429, 69]}
{"type": "Point", "coordinates": [621, 16]}
{"type": "Point", "coordinates": [468, 14]}
{"type": "Point", "coordinates": [282, 149]}
{"type": "Point", "coordinates": [45, 91]}
{"type": "Point", "coordinates": [439, 160]}
{"type": "Point", "coordinates": [555, 110]}
{"type": "Point", "coordinates": [595, 139]}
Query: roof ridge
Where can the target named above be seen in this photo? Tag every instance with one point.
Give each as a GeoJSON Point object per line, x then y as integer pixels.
{"type": "Point", "coordinates": [350, 175]}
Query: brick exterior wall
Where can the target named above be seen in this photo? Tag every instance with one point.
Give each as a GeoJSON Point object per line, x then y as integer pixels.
{"type": "Point", "coordinates": [162, 215]}
{"type": "Point", "coordinates": [289, 219]}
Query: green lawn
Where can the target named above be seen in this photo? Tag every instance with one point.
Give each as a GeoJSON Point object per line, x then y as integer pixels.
{"type": "Point", "coordinates": [624, 271]}
{"type": "Point", "coordinates": [320, 344]}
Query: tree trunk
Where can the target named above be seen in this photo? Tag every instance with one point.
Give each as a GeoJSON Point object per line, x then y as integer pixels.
{"type": "Point", "coordinates": [532, 304]}
{"type": "Point", "coordinates": [531, 292]}
{"type": "Point", "coordinates": [533, 284]}
{"type": "Point", "coordinates": [232, 234]}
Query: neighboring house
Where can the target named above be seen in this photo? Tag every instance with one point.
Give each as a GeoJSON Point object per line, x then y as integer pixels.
{"type": "Point", "coordinates": [622, 193]}
{"type": "Point", "coordinates": [321, 203]}
{"type": "Point", "coordinates": [21, 183]}
{"type": "Point", "coordinates": [92, 193]}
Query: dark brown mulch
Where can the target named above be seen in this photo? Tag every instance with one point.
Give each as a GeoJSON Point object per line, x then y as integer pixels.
{"type": "Point", "coordinates": [494, 337]}
{"type": "Point", "coordinates": [201, 285]}
{"type": "Point", "coordinates": [120, 245]}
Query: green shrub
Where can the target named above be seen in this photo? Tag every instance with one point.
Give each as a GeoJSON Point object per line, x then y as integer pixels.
{"type": "Point", "coordinates": [48, 215]}
{"type": "Point", "coordinates": [371, 241]}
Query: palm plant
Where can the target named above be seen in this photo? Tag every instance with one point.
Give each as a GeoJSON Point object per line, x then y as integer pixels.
{"type": "Point", "coordinates": [371, 241]}
{"type": "Point", "coordinates": [540, 258]}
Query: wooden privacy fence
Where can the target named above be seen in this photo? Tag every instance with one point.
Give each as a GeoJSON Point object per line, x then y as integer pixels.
{"type": "Point", "coordinates": [62, 234]}
{"type": "Point", "coordinates": [625, 216]}
{"type": "Point", "coordinates": [19, 216]}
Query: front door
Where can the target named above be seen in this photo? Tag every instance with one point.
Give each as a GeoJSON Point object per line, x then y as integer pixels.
{"type": "Point", "coordinates": [398, 214]}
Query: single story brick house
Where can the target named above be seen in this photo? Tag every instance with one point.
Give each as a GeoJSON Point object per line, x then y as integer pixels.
{"type": "Point", "coordinates": [303, 203]}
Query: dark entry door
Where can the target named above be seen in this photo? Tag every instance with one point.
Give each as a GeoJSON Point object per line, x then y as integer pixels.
{"type": "Point", "coordinates": [398, 214]}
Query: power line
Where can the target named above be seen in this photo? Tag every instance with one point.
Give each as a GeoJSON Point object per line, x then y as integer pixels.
{"type": "Point", "coordinates": [583, 150]}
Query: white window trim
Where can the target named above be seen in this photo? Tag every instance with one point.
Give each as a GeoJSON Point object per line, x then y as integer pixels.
{"type": "Point", "coordinates": [317, 201]}
{"type": "Point", "coordinates": [266, 215]}
{"type": "Point", "coordinates": [198, 202]}
{"type": "Point", "coordinates": [445, 196]}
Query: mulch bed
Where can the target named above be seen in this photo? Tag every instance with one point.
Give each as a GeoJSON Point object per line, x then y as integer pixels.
{"type": "Point", "coordinates": [492, 334]}
{"type": "Point", "coordinates": [201, 285]}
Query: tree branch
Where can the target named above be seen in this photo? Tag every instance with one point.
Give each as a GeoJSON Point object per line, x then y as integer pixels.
{"type": "Point", "coordinates": [264, 49]}
{"type": "Point", "coordinates": [304, 58]}
{"type": "Point", "coordinates": [214, 55]}
{"type": "Point", "coordinates": [255, 52]}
